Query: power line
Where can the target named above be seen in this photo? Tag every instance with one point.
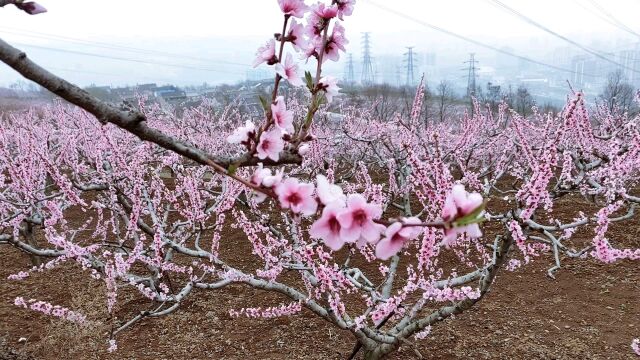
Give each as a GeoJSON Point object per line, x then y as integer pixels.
{"type": "Point", "coordinates": [603, 18]}
{"type": "Point", "coordinates": [126, 59]}
{"type": "Point", "coordinates": [614, 19]}
{"type": "Point", "coordinates": [350, 77]}
{"type": "Point", "coordinates": [39, 35]}
{"type": "Point", "coordinates": [410, 66]}
{"type": "Point", "coordinates": [546, 29]}
{"type": "Point", "coordinates": [473, 41]}
{"type": "Point", "coordinates": [128, 76]}
{"type": "Point", "coordinates": [368, 76]}
{"type": "Point", "coordinates": [471, 75]}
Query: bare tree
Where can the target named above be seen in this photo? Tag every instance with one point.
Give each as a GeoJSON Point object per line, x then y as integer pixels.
{"type": "Point", "coordinates": [445, 98]}
{"type": "Point", "coordinates": [524, 100]}
{"type": "Point", "coordinates": [618, 94]}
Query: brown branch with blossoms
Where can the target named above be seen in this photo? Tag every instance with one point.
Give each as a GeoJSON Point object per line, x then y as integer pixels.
{"type": "Point", "coordinates": [371, 257]}
{"type": "Point", "coordinates": [30, 7]}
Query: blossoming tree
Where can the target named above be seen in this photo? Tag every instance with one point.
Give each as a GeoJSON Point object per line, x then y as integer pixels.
{"type": "Point", "coordinates": [347, 207]}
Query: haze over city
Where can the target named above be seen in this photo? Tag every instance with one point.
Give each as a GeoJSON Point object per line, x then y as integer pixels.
{"type": "Point", "coordinates": [121, 42]}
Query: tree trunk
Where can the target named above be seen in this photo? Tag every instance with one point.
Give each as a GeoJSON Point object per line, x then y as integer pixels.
{"type": "Point", "coordinates": [31, 240]}
{"type": "Point", "coordinates": [380, 351]}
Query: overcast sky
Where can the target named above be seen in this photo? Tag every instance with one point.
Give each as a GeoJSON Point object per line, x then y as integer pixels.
{"type": "Point", "coordinates": [207, 35]}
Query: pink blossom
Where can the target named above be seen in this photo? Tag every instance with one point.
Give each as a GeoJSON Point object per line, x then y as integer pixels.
{"type": "Point", "coordinates": [313, 30]}
{"type": "Point", "coordinates": [295, 8]}
{"type": "Point", "coordinates": [268, 313]}
{"type": "Point", "coordinates": [635, 345]}
{"type": "Point", "coordinates": [450, 235]}
{"type": "Point", "coordinates": [451, 294]}
{"type": "Point", "coordinates": [396, 236]}
{"type": "Point", "coordinates": [31, 8]}
{"type": "Point", "coordinates": [242, 134]}
{"type": "Point", "coordinates": [317, 21]}
{"type": "Point", "coordinates": [258, 178]}
{"type": "Point", "coordinates": [335, 43]}
{"type": "Point", "coordinates": [327, 227]}
{"type": "Point", "coordinates": [345, 7]}
{"type": "Point", "coordinates": [357, 220]}
{"type": "Point", "coordinates": [296, 36]}
{"type": "Point", "coordinates": [329, 193]}
{"type": "Point", "coordinates": [282, 117]}
{"type": "Point", "coordinates": [266, 53]}
{"type": "Point", "coordinates": [458, 204]}
{"type": "Point", "coordinates": [271, 144]}
{"type": "Point", "coordinates": [289, 71]}
{"type": "Point", "coordinates": [304, 149]}
{"type": "Point", "coordinates": [310, 50]}
{"type": "Point", "coordinates": [325, 12]}
{"type": "Point", "coordinates": [273, 180]}
{"type": "Point", "coordinates": [49, 309]}
{"type": "Point", "coordinates": [297, 196]}
{"type": "Point", "coordinates": [330, 85]}
{"type": "Point", "coordinates": [260, 174]}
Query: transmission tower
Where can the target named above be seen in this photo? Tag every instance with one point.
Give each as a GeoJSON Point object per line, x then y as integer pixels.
{"type": "Point", "coordinates": [410, 66]}
{"type": "Point", "coordinates": [368, 77]}
{"type": "Point", "coordinates": [350, 76]}
{"type": "Point", "coordinates": [471, 76]}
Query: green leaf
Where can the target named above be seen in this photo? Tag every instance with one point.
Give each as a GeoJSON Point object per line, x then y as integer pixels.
{"type": "Point", "coordinates": [265, 103]}
{"type": "Point", "coordinates": [471, 218]}
{"type": "Point", "coordinates": [232, 169]}
{"type": "Point", "coordinates": [321, 100]}
{"type": "Point", "coordinates": [309, 80]}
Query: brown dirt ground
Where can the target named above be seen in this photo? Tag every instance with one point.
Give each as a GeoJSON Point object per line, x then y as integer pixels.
{"type": "Point", "coordinates": [591, 311]}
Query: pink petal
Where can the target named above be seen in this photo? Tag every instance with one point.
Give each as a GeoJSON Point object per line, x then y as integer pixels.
{"type": "Point", "coordinates": [371, 232]}
{"type": "Point", "coordinates": [350, 234]}
{"type": "Point", "coordinates": [450, 237]}
{"type": "Point", "coordinates": [472, 202]}
{"type": "Point", "coordinates": [473, 230]}
{"type": "Point", "coordinates": [459, 195]}
{"type": "Point", "coordinates": [309, 206]}
{"type": "Point", "coordinates": [386, 248]}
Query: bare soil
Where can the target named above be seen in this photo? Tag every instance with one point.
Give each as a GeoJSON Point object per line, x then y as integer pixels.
{"type": "Point", "coordinates": [591, 311]}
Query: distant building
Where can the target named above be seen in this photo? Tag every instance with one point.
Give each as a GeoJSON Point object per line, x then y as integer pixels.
{"type": "Point", "coordinates": [586, 72]}
{"type": "Point", "coordinates": [259, 74]}
{"type": "Point", "coordinates": [146, 87]}
{"type": "Point", "coordinates": [124, 93]}
{"type": "Point", "coordinates": [630, 59]}
{"type": "Point", "coordinates": [169, 92]}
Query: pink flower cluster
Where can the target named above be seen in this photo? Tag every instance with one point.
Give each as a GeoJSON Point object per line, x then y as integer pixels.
{"type": "Point", "coordinates": [308, 39]}
{"type": "Point", "coordinates": [396, 236]}
{"type": "Point", "coordinates": [458, 204]}
{"type": "Point", "coordinates": [452, 294]}
{"type": "Point", "coordinates": [271, 142]}
{"type": "Point", "coordinates": [312, 39]}
{"type": "Point", "coordinates": [268, 313]}
{"type": "Point", "coordinates": [352, 219]}
{"type": "Point", "coordinates": [603, 250]}
{"type": "Point", "coordinates": [635, 345]}
{"type": "Point", "coordinates": [19, 276]}
{"type": "Point", "coordinates": [53, 310]}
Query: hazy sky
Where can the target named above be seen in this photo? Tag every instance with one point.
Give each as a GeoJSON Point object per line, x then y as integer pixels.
{"type": "Point", "coordinates": [207, 35]}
